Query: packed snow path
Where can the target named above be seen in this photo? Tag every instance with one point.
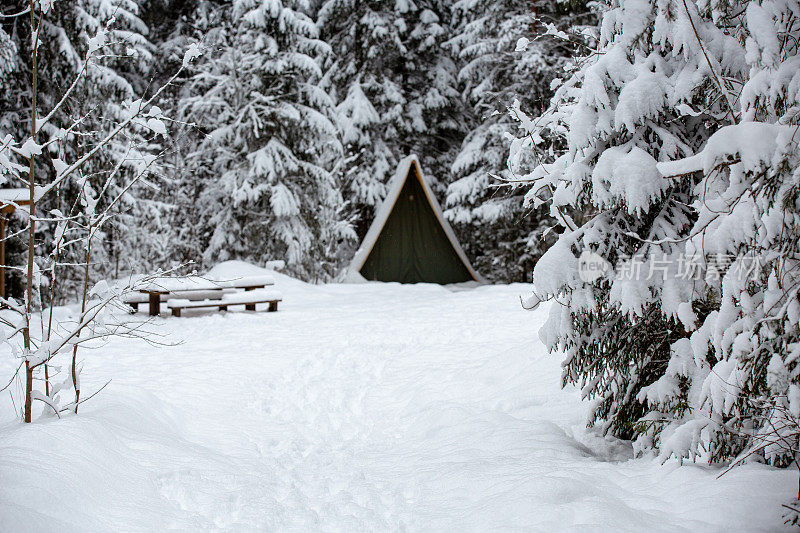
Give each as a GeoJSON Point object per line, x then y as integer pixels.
{"type": "Point", "coordinates": [373, 407]}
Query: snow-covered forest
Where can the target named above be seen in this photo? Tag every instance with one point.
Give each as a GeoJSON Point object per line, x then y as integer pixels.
{"type": "Point", "coordinates": [282, 135]}
{"type": "Point", "coordinates": [616, 181]}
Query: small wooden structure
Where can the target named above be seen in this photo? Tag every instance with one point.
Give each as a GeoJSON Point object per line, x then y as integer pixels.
{"type": "Point", "coordinates": [194, 292]}
{"type": "Point", "coordinates": [10, 201]}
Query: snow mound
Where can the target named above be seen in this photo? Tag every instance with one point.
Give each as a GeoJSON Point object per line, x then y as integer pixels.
{"type": "Point", "coordinates": [232, 270]}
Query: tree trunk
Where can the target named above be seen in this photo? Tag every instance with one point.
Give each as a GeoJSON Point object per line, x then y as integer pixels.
{"type": "Point", "coordinates": [75, 384]}
{"type": "Point", "coordinates": [31, 229]}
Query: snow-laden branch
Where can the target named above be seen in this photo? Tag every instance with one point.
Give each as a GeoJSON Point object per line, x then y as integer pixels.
{"type": "Point", "coordinates": [120, 127]}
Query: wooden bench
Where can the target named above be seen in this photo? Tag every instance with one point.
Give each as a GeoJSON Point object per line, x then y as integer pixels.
{"type": "Point", "coordinates": [248, 299]}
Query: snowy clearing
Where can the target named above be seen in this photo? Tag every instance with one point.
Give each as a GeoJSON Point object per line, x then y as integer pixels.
{"type": "Point", "coordinates": [373, 407]}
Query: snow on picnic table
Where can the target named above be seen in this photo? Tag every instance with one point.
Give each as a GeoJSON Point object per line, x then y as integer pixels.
{"type": "Point", "coordinates": [374, 407]}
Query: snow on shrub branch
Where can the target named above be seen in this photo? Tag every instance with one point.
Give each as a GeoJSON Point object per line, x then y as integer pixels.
{"type": "Point", "coordinates": [680, 140]}
{"type": "Point", "coordinates": [121, 165]}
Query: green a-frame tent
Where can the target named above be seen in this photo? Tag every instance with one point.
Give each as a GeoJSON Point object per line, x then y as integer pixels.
{"type": "Point", "coordinates": [410, 241]}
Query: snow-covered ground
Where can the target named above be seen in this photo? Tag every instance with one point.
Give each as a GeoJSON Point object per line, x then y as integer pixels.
{"type": "Point", "coordinates": [374, 407]}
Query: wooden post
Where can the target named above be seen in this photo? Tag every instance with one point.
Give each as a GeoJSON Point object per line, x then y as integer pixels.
{"type": "Point", "coordinates": [273, 306]}
{"type": "Point", "coordinates": [155, 303]}
{"type": "Point", "coordinates": [3, 221]}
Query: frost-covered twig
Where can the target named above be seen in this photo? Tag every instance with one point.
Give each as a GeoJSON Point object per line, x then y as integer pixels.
{"type": "Point", "coordinates": [710, 65]}
{"type": "Point", "coordinates": [119, 128]}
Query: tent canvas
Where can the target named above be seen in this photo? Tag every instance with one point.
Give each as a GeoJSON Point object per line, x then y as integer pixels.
{"type": "Point", "coordinates": [410, 241]}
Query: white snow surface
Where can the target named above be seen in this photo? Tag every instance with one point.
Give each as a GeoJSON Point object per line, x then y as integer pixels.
{"type": "Point", "coordinates": [368, 407]}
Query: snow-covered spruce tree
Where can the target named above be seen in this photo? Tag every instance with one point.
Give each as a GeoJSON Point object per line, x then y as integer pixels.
{"type": "Point", "coordinates": [174, 25]}
{"type": "Point", "coordinates": [506, 53]}
{"type": "Point", "coordinates": [394, 84]}
{"type": "Point", "coordinates": [680, 173]}
{"type": "Point", "coordinates": [268, 141]}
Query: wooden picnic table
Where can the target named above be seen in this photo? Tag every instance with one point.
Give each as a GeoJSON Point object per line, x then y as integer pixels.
{"type": "Point", "coordinates": [159, 287]}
